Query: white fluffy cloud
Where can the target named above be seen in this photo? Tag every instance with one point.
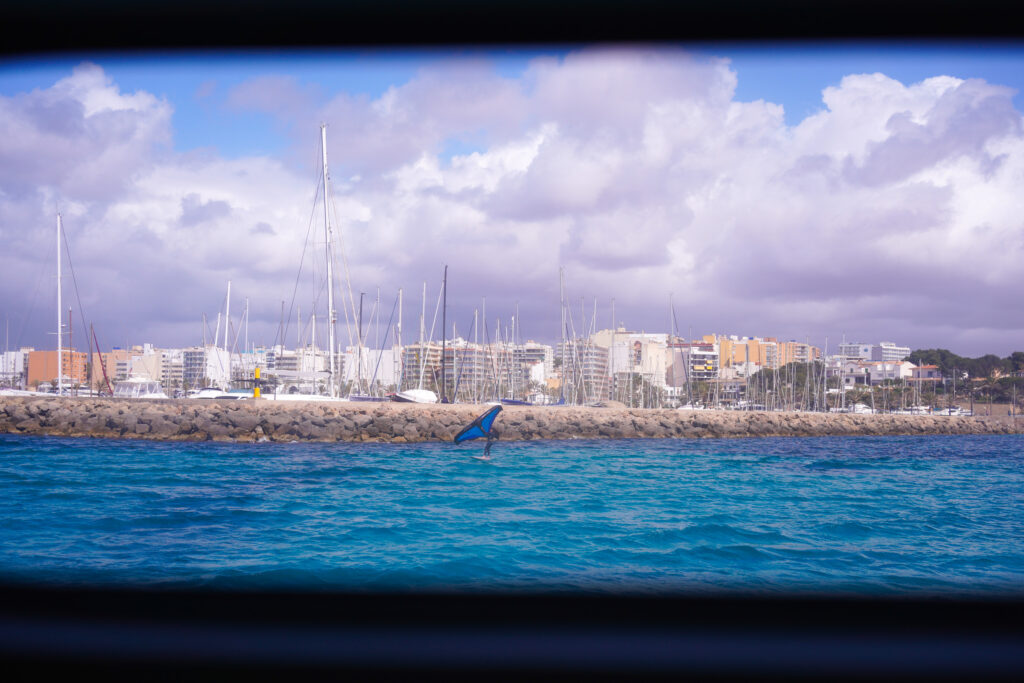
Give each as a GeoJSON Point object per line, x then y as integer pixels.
{"type": "Point", "coordinates": [894, 212]}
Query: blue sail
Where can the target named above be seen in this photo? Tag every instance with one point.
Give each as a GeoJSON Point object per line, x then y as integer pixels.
{"type": "Point", "coordinates": [480, 427]}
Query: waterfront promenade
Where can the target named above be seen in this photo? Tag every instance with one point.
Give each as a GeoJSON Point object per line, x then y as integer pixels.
{"type": "Point", "coordinates": [267, 420]}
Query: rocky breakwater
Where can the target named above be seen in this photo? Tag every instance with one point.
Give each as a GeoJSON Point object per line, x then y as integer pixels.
{"type": "Point", "coordinates": [267, 420]}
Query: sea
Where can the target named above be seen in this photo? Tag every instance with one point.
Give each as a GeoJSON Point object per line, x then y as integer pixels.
{"type": "Point", "coordinates": [875, 516]}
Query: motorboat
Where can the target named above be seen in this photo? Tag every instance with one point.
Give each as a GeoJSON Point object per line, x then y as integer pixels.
{"type": "Point", "coordinates": [138, 387]}
{"type": "Point", "coordinates": [212, 392]}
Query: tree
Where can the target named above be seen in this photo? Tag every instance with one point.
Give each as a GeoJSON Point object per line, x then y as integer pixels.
{"type": "Point", "coordinates": [1017, 361]}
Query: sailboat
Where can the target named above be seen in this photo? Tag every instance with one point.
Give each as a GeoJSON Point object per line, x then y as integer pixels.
{"type": "Point", "coordinates": [419, 394]}
{"type": "Point", "coordinates": [332, 367]}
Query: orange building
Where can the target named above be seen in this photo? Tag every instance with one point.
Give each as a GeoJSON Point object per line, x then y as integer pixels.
{"type": "Point", "coordinates": [797, 352]}
{"type": "Point", "coordinates": [738, 350]}
{"type": "Point", "coordinates": [42, 367]}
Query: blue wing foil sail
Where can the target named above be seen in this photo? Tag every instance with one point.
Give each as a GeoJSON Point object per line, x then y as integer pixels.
{"type": "Point", "coordinates": [480, 427]}
{"type": "Point", "coordinates": [488, 418]}
{"type": "Point", "coordinates": [470, 432]}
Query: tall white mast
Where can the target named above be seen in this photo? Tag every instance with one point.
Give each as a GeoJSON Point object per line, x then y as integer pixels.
{"type": "Point", "coordinates": [330, 266]}
{"type": "Point", "coordinates": [398, 359]}
{"type": "Point", "coordinates": [423, 350]}
{"type": "Point", "coordinates": [227, 316]}
{"type": "Point", "coordinates": [60, 338]}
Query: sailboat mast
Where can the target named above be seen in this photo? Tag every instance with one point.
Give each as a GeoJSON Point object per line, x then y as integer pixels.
{"type": "Point", "coordinates": [60, 338]}
{"type": "Point", "coordinates": [444, 337]}
{"type": "Point", "coordinates": [561, 301]}
{"type": "Point", "coordinates": [227, 316]}
{"type": "Point", "coordinates": [423, 349]}
{"type": "Point", "coordinates": [359, 346]}
{"type": "Point", "coordinates": [398, 360]}
{"type": "Point", "coordinates": [330, 267]}
{"type": "Point", "coordinates": [615, 394]}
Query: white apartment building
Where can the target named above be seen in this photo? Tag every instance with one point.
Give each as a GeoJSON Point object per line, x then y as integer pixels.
{"type": "Point", "coordinates": [13, 368]}
{"type": "Point", "coordinates": [635, 354]}
{"type": "Point", "coordinates": [887, 352]}
{"type": "Point", "coordinates": [693, 362]}
{"type": "Point", "coordinates": [206, 366]}
{"type": "Point", "coordinates": [376, 367]}
{"type": "Point", "coordinates": [853, 350]}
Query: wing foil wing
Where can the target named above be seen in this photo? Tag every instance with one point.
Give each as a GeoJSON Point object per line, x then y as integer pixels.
{"type": "Point", "coordinates": [487, 419]}
{"type": "Point", "coordinates": [480, 427]}
{"type": "Point", "coordinates": [473, 431]}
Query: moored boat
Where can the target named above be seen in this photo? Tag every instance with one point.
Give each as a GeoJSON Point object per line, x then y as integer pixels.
{"type": "Point", "coordinates": [415, 396]}
{"type": "Point", "coordinates": [138, 387]}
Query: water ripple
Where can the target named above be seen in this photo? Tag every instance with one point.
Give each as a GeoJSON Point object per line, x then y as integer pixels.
{"type": "Point", "coordinates": [878, 515]}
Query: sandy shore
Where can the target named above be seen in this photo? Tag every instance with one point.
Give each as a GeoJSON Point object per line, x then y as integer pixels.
{"type": "Point", "coordinates": [262, 420]}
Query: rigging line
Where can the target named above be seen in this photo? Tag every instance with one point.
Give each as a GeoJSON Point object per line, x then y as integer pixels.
{"type": "Point", "coordinates": [74, 280]}
{"type": "Point", "coordinates": [430, 338]}
{"type": "Point", "coordinates": [344, 263]}
{"type": "Point", "coordinates": [283, 333]}
{"type": "Point", "coordinates": [465, 348]}
{"type": "Point", "coordinates": [238, 333]}
{"type": "Point", "coordinates": [381, 354]}
{"type": "Point", "coordinates": [437, 308]}
{"type": "Point", "coordinates": [31, 306]}
{"type": "Point", "coordinates": [489, 363]}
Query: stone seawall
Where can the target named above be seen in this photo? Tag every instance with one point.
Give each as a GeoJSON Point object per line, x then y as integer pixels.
{"type": "Point", "coordinates": [267, 420]}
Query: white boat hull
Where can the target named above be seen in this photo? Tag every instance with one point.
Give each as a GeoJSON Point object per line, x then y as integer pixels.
{"type": "Point", "coordinates": [416, 396]}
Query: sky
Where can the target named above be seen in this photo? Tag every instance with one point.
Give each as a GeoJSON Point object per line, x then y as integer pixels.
{"type": "Point", "coordinates": [863, 191]}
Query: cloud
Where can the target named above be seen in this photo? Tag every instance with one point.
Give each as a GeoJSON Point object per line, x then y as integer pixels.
{"type": "Point", "coordinates": [892, 212]}
{"type": "Point", "coordinates": [81, 136]}
{"type": "Point", "coordinates": [195, 211]}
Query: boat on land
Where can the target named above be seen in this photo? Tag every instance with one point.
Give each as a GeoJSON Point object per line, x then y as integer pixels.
{"type": "Point", "coordinates": [213, 392]}
{"type": "Point", "coordinates": [415, 396]}
{"type": "Point", "coordinates": [278, 395]}
{"type": "Point", "coordinates": [367, 398]}
{"type": "Point", "coordinates": [419, 394]}
{"type": "Point", "coordinates": [23, 392]}
{"type": "Point", "coordinates": [138, 387]}
{"type": "Point", "coordinates": [955, 411]}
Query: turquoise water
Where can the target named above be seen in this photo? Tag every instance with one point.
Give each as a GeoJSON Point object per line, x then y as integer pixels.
{"type": "Point", "coordinates": [868, 515]}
